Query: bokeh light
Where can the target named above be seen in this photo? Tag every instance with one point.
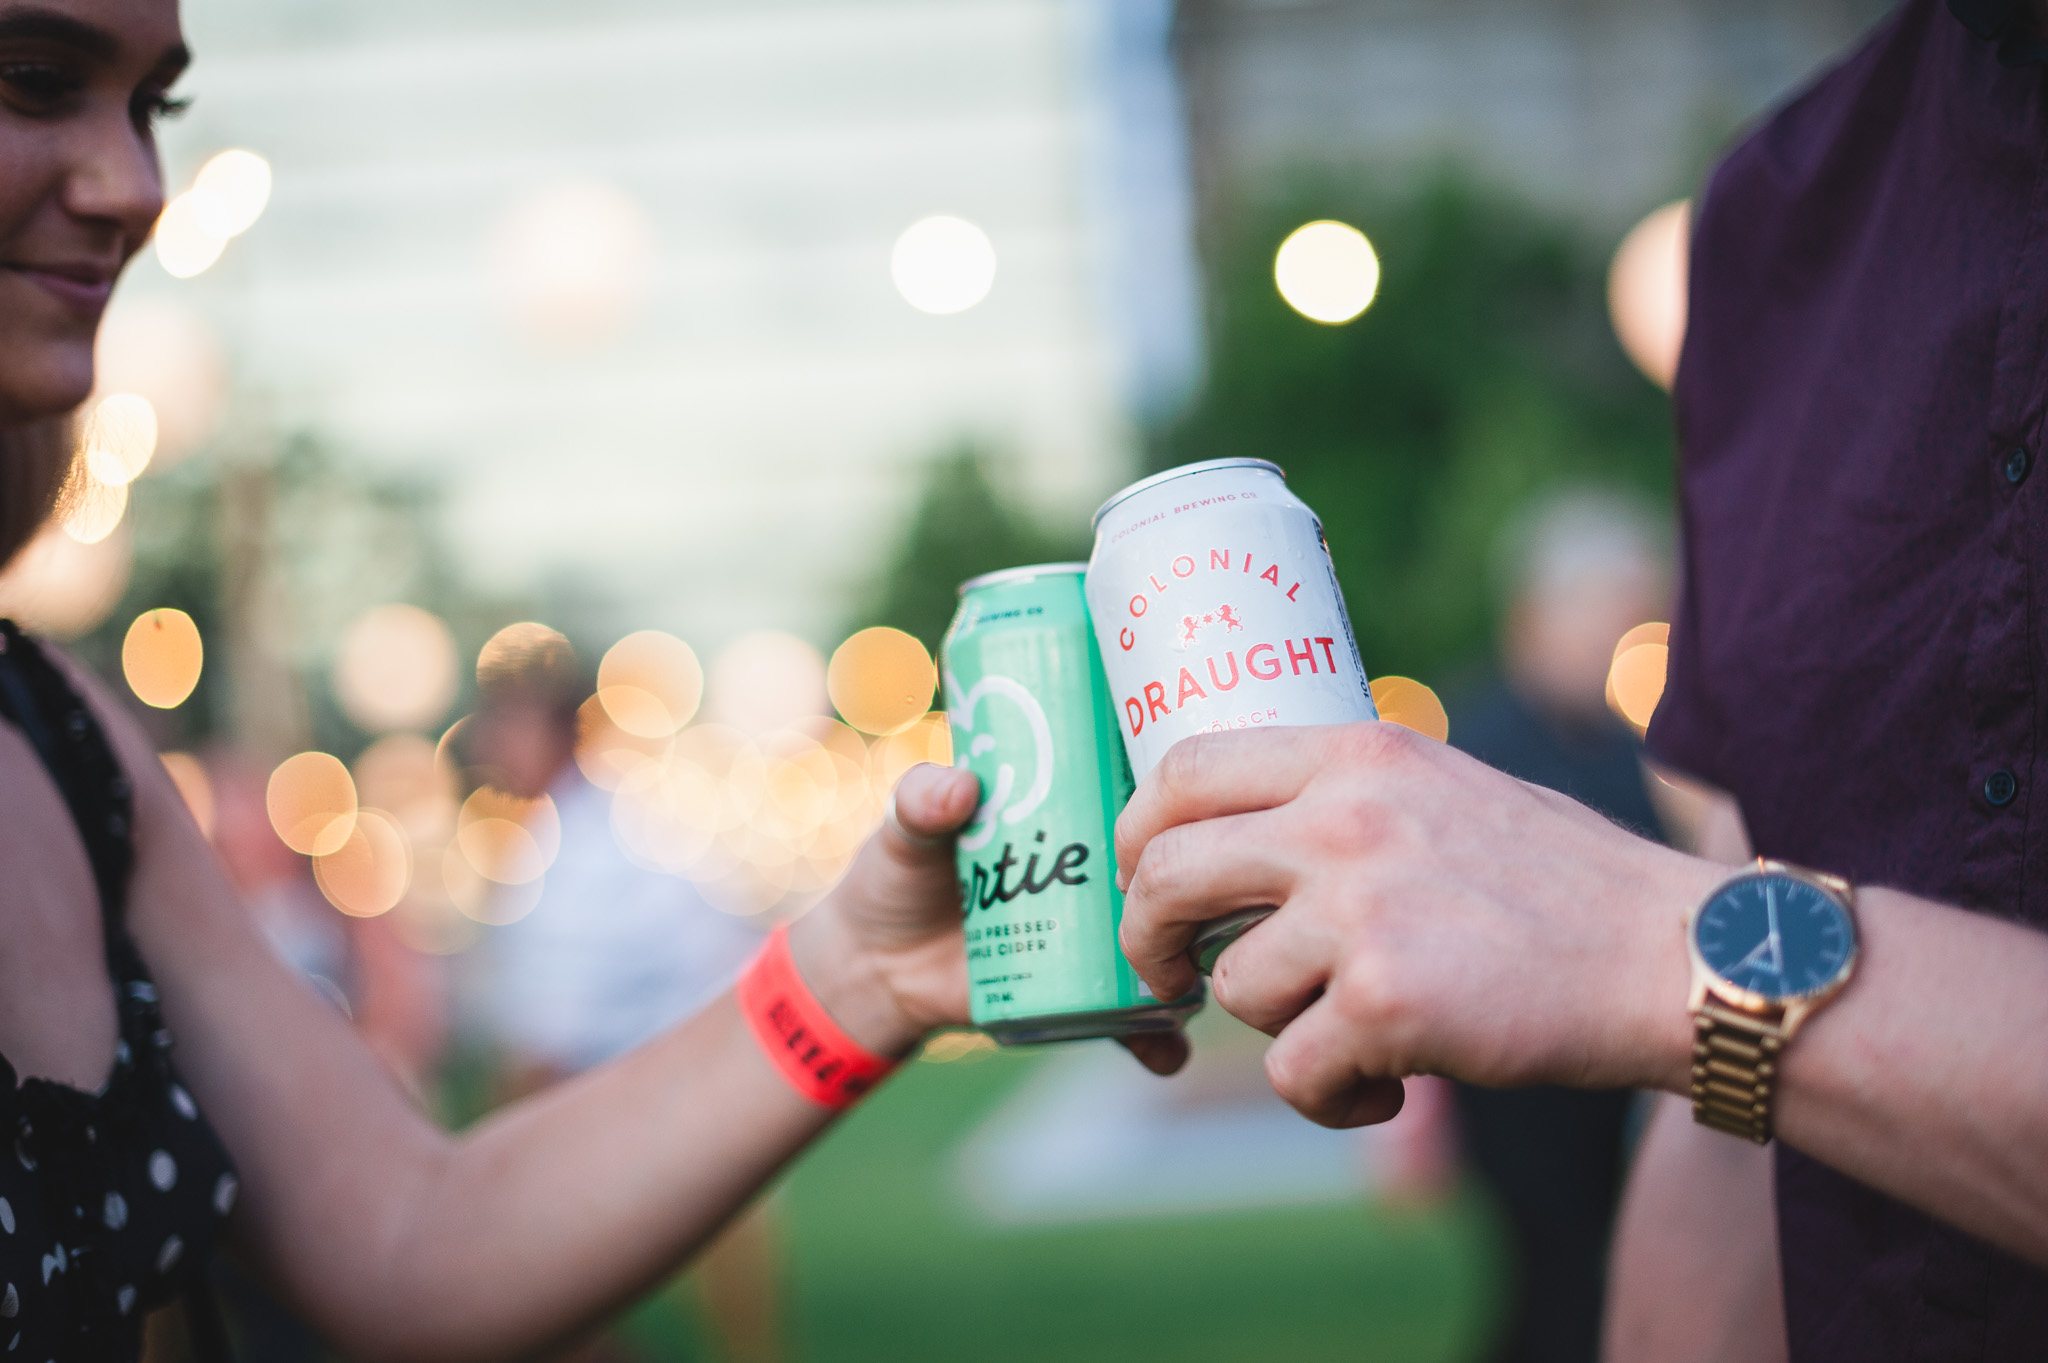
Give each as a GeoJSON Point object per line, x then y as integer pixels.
{"type": "Point", "coordinates": [519, 649]}
{"type": "Point", "coordinates": [1651, 632]}
{"type": "Point", "coordinates": [943, 264]}
{"type": "Point", "coordinates": [1646, 287]}
{"type": "Point", "coordinates": [396, 669]}
{"type": "Point", "coordinates": [881, 680]}
{"type": "Point", "coordinates": [1327, 271]}
{"type": "Point", "coordinates": [186, 240]}
{"type": "Point", "coordinates": [195, 788]}
{"type": "Point", "coordinates": [93, 508]}
{"type": "Point", "coordinates": [507, 839]}
{"type": "Point", "coordinates": [930, 739]}
{"type": "Point", "coordinates": [481, 900]}
{"type": "Point", "coordinates": [399, 775]}
{"type": "Point", "coordinates": [63, 588]}
{"type": "Point", "coordinates": [162, 656]}
{"type": "Point", "coordinates": [950, 1046]}
{"type": "Point", "coordinates": [1410, 704]}
{"type": "Point", "coordinates": [312, 803]}
{"type": "Point", "coordinates": [230, 192]}
{"type": "Point", "coordinates": [163, 351]}
{"type": "Point", "coordinates": [369, 873]}
{"type": "Point", "coordinates": [572, 261]}
{"type": "Point", "coordinates": [766, 680]}
{"type": "Point", "coordinates": [604, 751]}
{"type": "Point", "coordinates": [1635, 683]}
{"type": "Point", "coordinates": [117, 437]}
{"type": "Point", "coordinates": [650, 684]}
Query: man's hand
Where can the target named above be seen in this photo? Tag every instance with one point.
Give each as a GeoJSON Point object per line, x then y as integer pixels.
{"type": "Point", "coordinates": [1435, 916]}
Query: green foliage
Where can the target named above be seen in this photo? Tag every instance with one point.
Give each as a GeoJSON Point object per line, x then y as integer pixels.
{"type": "Point", "coordinates": [280, 555]}
{"type": "Point", "coordinates": [1483, 373]}
{"type": "Point", "coordinates": [963, 525]}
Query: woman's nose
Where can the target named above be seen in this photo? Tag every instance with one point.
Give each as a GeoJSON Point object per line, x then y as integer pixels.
{"type": "Point", "coordinates": [115, 178]}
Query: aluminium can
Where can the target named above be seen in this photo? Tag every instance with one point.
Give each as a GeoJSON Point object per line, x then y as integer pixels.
{"type": "Point", "coordinates": [1031, 717]}
{"type": "Point", "coordinates": [1216, 607]}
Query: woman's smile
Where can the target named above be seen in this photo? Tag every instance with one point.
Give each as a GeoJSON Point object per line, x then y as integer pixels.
{"type": "Point", "coordinates": [81, 285]}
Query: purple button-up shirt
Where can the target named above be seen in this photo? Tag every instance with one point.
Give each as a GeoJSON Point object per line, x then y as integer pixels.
{"type": "Point", "coordinates": [1859, 649]}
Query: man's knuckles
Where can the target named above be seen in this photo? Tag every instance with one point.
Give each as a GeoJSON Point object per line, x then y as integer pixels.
{"type": "Point", "coordinates": [1375, 997]}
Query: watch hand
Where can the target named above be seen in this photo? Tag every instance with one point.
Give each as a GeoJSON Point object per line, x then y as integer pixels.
{"type": "Point", "coordinates": [1759, 951]}
{"type": "Point", "coordinates": [1777, 942]}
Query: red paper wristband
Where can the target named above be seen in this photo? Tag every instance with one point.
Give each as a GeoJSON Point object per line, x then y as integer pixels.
{"type": "Point", "coordinates": [819, 1060]}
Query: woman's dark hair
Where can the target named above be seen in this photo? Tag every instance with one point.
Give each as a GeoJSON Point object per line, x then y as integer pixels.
{"type": "Point", "coordinates": [35, 462]}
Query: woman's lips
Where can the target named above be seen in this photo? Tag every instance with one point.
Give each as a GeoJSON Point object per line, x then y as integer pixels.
{"type": "Point", "coordinates": [84, 289]}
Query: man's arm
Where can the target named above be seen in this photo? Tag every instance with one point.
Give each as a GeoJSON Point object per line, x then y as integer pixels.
{"type": "Point", "coordinates": [1439, 917]}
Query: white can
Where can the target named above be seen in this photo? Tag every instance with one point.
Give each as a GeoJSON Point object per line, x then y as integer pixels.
{"type": "Point", "coordinates": [1216, 608]}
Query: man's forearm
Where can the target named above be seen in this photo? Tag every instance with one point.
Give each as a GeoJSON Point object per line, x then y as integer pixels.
{"type": "Point", "coordinates": [1928, 1078]}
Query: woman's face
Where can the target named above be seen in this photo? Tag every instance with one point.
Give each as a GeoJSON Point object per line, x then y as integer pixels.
{"type": "Point", "coordinates": [82, 83]}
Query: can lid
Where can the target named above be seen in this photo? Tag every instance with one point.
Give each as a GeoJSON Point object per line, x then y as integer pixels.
{"type": "Point", "coordinates": [1205, 466]}
{"type": "Point", "coordinates": [1023, 574]}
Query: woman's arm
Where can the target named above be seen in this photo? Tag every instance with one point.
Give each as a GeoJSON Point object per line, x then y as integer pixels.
{"type": "Point", "coordinates": [1693, 1275]}
{"type": "Point", "coordinates": [397, 1240]}
{"type": "Point", "coordinates": [1439, 917]}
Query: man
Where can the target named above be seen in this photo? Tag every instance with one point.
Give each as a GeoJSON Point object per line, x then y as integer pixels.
{"type": "Point", "coordinates": [1858, 662]}
{"type": "Point", "coordinates": [1578, 568]}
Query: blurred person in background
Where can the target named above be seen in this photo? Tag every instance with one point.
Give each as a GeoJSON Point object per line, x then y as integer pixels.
{"type": "Point", "coordinates": [609, 956]}
{"type": "Point", "coordinates": [180, 1085]}
{"type": "Point", "coordinates": [1857, 667]}
{"type": "Point", "coordinates": [611, 953]}
{"type": "Point", "coordinates": [1578, 569]}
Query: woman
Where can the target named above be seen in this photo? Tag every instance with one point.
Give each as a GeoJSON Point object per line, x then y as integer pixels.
{"type": "Point", "coordinates": [176, 1079]}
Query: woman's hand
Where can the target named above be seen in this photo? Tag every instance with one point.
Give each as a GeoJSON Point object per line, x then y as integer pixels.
{"type": "Point", "coordinates": [883, 952]}
{"type": "Point", "coordinates": [1436, 916]}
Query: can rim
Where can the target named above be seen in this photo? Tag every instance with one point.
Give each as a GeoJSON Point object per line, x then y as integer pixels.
{"type": "Point", "coordinates": [1204, 466]}
{"type": "Point", "coordinates": [1029, 570]}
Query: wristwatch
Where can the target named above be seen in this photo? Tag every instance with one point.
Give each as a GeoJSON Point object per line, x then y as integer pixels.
{"type": "Point", "coordinates": [1769, 948]}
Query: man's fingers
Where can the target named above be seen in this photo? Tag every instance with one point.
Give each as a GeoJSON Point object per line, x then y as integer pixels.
{"type": "Point", "coordinates": [1267, 977]}
{"type": "Point", "coordinates": [1159, 1052]}
{"type": "Point", "coordinates": [928, 805]}
{"type": "Point", "coordinates": [1315, 1066]}
{"type": "Point", "coordinates": [1194, 874]}
{"type": "Point", "coordinates": [1210, 775]}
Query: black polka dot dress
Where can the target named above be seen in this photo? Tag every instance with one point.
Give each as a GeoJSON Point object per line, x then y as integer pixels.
{"type": "Point", "coordinates": [110, 1201]}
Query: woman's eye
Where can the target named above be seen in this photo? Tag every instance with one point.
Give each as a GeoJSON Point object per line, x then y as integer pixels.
{"type": "Point", "coordinates": [38, 86]}
{"type": "Point", "coordinates": [152, 107]}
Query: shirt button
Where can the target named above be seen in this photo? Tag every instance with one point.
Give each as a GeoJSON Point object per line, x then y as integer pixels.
{"type": "Point", "coordinates": [2017, 465]}
{"type": "Point", "coordinates": [1999, 788]}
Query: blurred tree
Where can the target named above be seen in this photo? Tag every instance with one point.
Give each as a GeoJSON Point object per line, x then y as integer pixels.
{"type": "Point", "coordinates": [963, 525]}
{"type": "Point", "coordinates": [1484, 372]}
{"type": "Point", "coordinates": [273, 558]}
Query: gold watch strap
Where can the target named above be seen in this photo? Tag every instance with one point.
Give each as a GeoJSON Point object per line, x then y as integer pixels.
{"type": "Point", "coordinates": [1735, 1070]}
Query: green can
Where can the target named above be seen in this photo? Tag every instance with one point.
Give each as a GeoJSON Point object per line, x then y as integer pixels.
{"type": "Point", "coordinates": [1032, 719]}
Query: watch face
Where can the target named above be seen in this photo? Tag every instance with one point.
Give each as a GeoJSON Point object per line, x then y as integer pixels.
{"type": "Point", "coordinates": [1774, 935]}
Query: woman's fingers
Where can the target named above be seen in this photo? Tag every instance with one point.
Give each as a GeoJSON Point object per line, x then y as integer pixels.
{"type": "Point", "coordinates": [1159, 1052]}
{"type": "Point", "coordinates": [1191, 875]}
{"type": "Point", "coordinates": [928, 805]}
{"type": "Point", "coordinates": [1314, 1066]}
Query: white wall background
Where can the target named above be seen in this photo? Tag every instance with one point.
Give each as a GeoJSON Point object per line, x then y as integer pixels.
{"type": "Point", "coordinates": [740, 452]}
